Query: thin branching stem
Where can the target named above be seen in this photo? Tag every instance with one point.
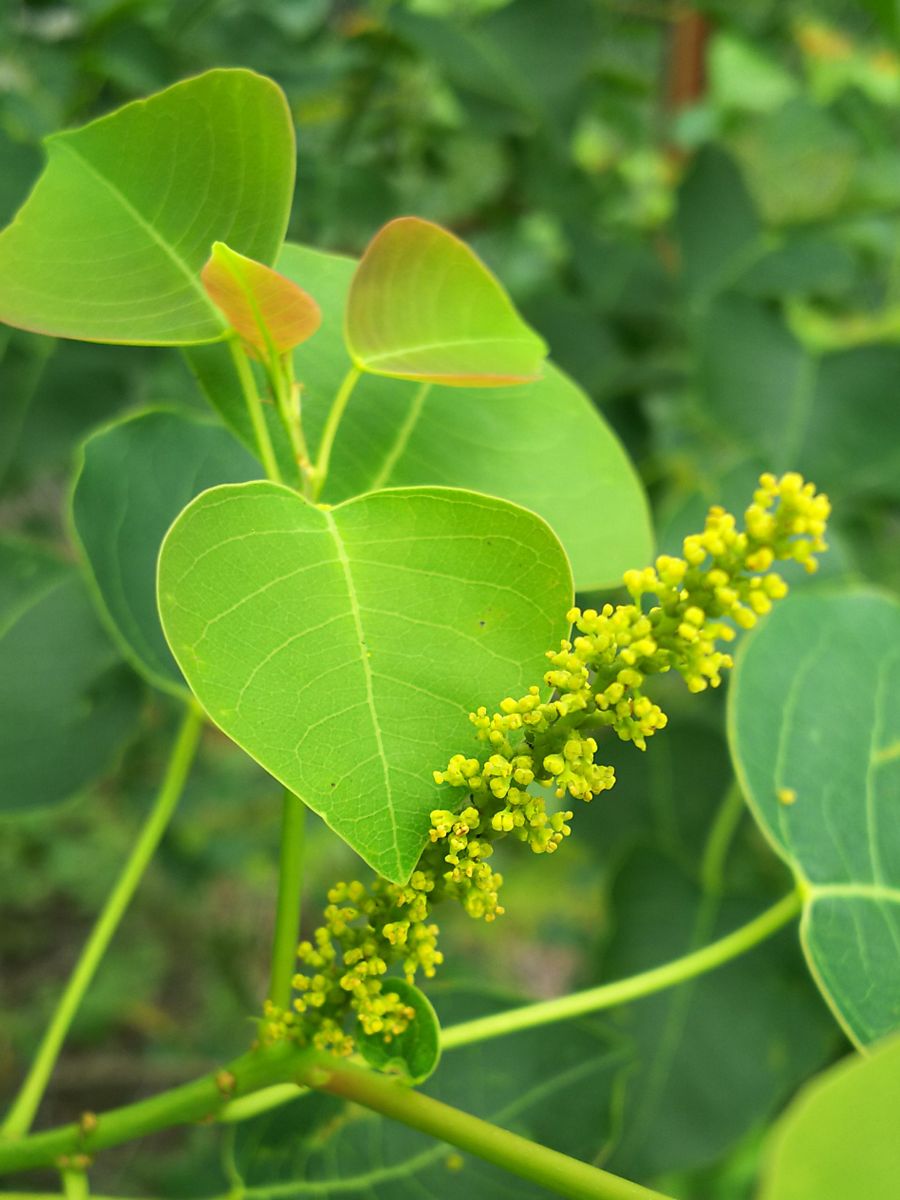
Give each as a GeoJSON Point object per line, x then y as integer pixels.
{"type": "Point", "coordinates": [21, 1115]}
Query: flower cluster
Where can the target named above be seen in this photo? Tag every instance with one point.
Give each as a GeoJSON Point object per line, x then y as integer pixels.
{"type": "Point", "coordinates": [536, 752]}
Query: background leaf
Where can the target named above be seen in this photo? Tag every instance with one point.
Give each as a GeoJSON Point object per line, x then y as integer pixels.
{"type": "Point", "coordinates": [343, 649]}
{"type": "Point", "coordinates": [716, 1056]}
{"type": "Point", "coordinates": [133, 479]}
{"type": "Point", "coordinates": [109, 245]}
{"type": "Point", "coordinates": [423, 306]}
{"type": "Point", "coordinates": [820, 769]}
{"type": "Point", "coordinates": [839, 1137]}
{"type": "Point", "coordinates": [67, 704]}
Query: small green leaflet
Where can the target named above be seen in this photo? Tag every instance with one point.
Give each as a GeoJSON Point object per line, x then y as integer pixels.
{"type": "Point", "coordinates": [344, 648]}
{"type": "Point", "coordinates": [838, 1140]}
{"type": "Point", "coordinates": [109, 245]}
{"type": "Point", "coordinates": [423, 306]}
{"type": "Point", "coordinates": [814, 726]}
{"type": "Point", "coordinates": [413, 1054]}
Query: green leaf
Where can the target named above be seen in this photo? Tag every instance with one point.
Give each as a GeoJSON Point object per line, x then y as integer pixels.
{"type": "Point", "coordinates": [109, 245]}
{"type": "Point", "coordinates": [839, 1137]}
{"type": "Point", "coordinates": [413, 1054]}
{"type": "Point", "coordinates": [506, 70]}
{"type": "Point", "coordinates": [132, 480]}
{"type": "Point", "coordinates": [497, 441]}
{"type": "Point", "coordinates": [770, 394]}
{"type": "Point", "coordinates": [344, 648]}
{"type": "Point", "coordinates": [799, 163]}
{"type": "Point", "coordinates": [757, 379]}
{"type": "Point", "coordinates": [271, 314]}
{"type": "Point", "coordinates": [714, 250]}
{"type": "Point", "coordinates": [547, 1085]}
{"type": "Point", "coordinates": [423, 306]}
{"type": "Point", "coordinates": [750, 1031]}
{"type": "Point", "coordinates": [887, 13]}
{"type": "Point", "coordinates": [66, 703]}
{"type": "Point", "coordinates": [814, 725]}
{"type": "Point", "coordinates": [23, 361]}
{"type": "Point", "coordinates": [744, 78]}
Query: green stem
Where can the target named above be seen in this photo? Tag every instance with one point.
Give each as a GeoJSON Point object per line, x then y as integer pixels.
{"type": "Point", "coordinates": [266, 1078]}
{"type": "Point", "coordinates": [254, 409]}
{"type": "Point", "coordinates": [290, 895]}
{"type": "Point", "coordinates": [608, 995]}
{"type": "Point", "coordinates": [281, 374]}
{"type": "Point", "coordinates": [259, 1102]}
{"type": "Point", "coordinates": [200, 1100]}
{"type": "Point", "coordinates": [724, 827]}
{"type": "Point", "coordinates": [331, 426]}
{"type": "Point", "coordinates": [21, 1115]}
{"type": "Point", "coordinates": [205, 1098]}
{"type": "Point", "coordinates": [75, 1185]}
{"type": "Point", "coordinates": [548, 1168]}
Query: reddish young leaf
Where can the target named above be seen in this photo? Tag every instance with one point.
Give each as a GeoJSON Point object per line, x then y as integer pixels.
{"type": "Point", "coordinates": [271, 314]}
{"type": "Point", "coordinates": [423, 306]}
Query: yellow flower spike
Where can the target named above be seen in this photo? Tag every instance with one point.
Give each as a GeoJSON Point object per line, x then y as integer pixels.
{"type": "Point", "coordinates": [596, 681]}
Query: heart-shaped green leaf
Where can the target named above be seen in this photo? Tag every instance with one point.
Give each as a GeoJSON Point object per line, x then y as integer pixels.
{"type": "Point", "coordinates": [814, 722]}
{"type": "Point", "coordinates": [423, 306]}
{"type": "Point", "coordinates": [133, 479]}
{"type": "Point", "coordinates": [271, 314]}
{"type": "Point", "coordinates": [343, 648]}
{"type": "Point", "coordinates": [413, 1054]}
{"type": "Point", "coordinates": [109, 245]}
{"type": "Point", "coordinates": [838, 1140]}
{"type": "Point", "coordinates": [497, 441]}
{"type": "Point", "coordinates": [67, 702]}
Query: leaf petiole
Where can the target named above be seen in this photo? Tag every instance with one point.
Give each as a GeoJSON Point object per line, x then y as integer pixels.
{"type": "Point", "coordinates": [335, 414]}
{"type": "Point", "coordinates": [254, 408]}
{"type": "Point", "coordinates": [290, 894]}
{"type": "Point", "coordinates": [608, 995]}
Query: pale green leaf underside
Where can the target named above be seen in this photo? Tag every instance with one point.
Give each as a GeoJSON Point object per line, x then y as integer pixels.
{"type": "Point", "coordinates": [344, 648]}
{"type": "Point", "coordinates": [422, 305]}
{"type": "Point", "coordinates": [109, 245]}
{"type": "Point", "coordinates": [838, 1140]}
{"type": "Point", "coordinates": [815, 710]}
{"type": "Point", "coordinates": [542, 445]}
{"type": "Point", "coordinates": [133, 479]}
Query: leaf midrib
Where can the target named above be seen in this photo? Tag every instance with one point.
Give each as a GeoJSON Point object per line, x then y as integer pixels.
{"type": "Point", "coordinates": [448, 345]}
{"type": "Point", "coordinates": [144, 224]}
{"type": "Point", "coordinates": [367, 671]}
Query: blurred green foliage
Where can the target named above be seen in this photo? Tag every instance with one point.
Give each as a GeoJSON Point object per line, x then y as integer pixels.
{"type": "Point", "coordinates": [699, 208]}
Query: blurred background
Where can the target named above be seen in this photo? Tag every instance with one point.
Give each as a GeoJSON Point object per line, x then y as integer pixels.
{"type": "Point", "coordinates": [699, 207]}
